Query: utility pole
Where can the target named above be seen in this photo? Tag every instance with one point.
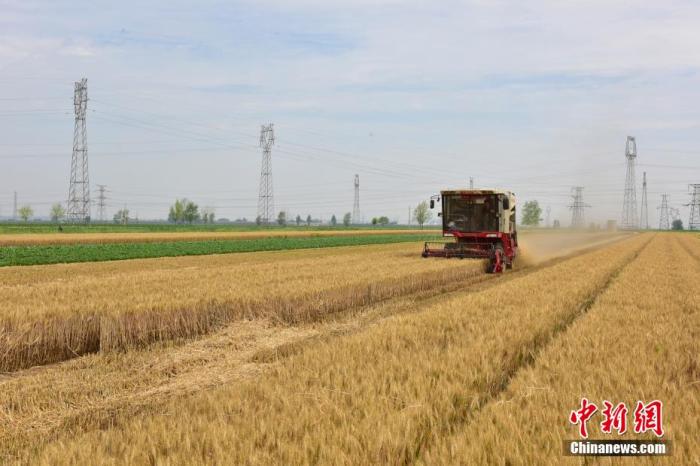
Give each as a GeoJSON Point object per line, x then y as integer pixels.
{"type": "Point", "coordinates": [266, 204]}
{"type": "Point", "coordinates": [644, 217]}
{"type": "Point", "coordinates": [356, 204]}
{"type": "Point", "coordinates": [549, 210]}
{"type": "Point", "coordinates": [14, 208]}
{"type": "Point", "coordinates": [577, 212]}
{"type": "Point", "coordinates": [471, 182]}
{"type": "Point", "coordinates": [694, 221]}
{"type": "Point", "coordinates": [101, 201]}
{"type": "Point", "coordinates": [79, 189]}
{"type": "Point", "coordinates": [663, 216]}
{"type": "Point", "coordinates": [630, 221]}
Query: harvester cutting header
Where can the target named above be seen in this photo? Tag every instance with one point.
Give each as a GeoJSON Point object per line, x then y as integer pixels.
{"type": "Point", "coordinates": [482, 223]}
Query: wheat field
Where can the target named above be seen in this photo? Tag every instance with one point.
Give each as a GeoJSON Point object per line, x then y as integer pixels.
{"type": "Point", "coordinates": [484, 372]}
{"type": "Point", "coordinates": [56, 313]}
{"type": "Point", "coordinates": [639, 340]}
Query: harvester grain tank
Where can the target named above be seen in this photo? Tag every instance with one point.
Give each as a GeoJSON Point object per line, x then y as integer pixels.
{"type": "Point", "coordinates": [481, 223]}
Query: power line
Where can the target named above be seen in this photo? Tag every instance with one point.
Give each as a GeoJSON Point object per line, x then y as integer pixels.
{"type": "Point", "coordinates": [79, 189]}
{"type": "Point", "coordinates": [266, 206]}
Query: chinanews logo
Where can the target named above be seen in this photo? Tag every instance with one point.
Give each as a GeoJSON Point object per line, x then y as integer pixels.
{"type": "Point", "coordinates": [646, 418]}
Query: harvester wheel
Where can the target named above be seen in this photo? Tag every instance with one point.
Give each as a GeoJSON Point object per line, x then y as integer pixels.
{"type": "Point", "coordinates": [497, 261]}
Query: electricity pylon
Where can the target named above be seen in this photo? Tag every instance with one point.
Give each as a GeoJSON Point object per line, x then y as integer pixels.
{"type": "Point", "coordinates": [266, 204]}
{"type": "Point", "coordinates": [79, 189]}
{"type": "Point", "coordinates": [577, 208]}
{"type": "Point", "coordinates": [644, 217]}
{"type": "Point", "coordinates": [630, 221]}
{"type": "Point", "coordinates": [694, 221]}
{"type": "Point", "coordinates": [356, 203]}
{"type": "Point", "coordinates": [663, 215]}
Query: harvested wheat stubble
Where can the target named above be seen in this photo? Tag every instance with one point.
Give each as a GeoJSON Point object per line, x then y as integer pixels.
{"type": "Point", "coordinates": [640, 341]}
{"type": "Point", "coordinates": [53, 318]}
{"type": "Point", "coordinates": [380, 396]}
{"type": "Point", "coordinates": [56, 401]}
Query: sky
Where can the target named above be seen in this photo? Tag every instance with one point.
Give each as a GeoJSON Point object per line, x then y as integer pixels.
{"type": "Point", "coordinates": [414, 96]}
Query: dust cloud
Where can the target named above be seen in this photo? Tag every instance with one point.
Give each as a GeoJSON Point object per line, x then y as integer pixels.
{"type": "Point", "coordinates": [539, 246]}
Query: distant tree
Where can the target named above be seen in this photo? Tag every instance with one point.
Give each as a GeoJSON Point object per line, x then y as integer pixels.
{"type": "Point", "coordinates": [121, 217]}
{"type": "Point", "coordinates": [422, 213]}
{"type": "Point", "coordinates": [282, 218]}
{"type": "Point", "coordinates": [308, 220]}
{"type": "Point", "coordinates": [334, 221]}
{"type": "Point", "coordinates": [531, 213]}
{"type": "Point", "coordinates": [258, 220]}
{"type": "Point", "coordinates": [191, 212]}
{"type": "Point", "coordinates": [25, 212]}
{"type": "Point", "coordinates": [208, 215]}
{"type": "Point", "coordinates": [556, 224]}
{"type": "Point", "coordinates": [177, 211]}
{"type": "Point", "coordinates": [57, 212]}
{"type": "Point", "coordinates": [375, 220]}
{"type": "Point", "coordinates": [347, 218]}
{"type": "Point", "coordinates": [677, 224]}
{"type": "Point", "coordinates": [383, 220]}
{"type": "Point", "coordinates": [298, 220]}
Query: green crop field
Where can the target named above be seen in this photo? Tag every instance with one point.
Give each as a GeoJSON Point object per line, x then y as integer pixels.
{"type": "Point", "coordinates": [45, 227]}
{"type": "Point", "coordinates": [56, 254]}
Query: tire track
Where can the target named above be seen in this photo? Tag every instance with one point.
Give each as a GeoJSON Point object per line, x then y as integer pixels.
{"type": "Point", "coordinates": [692, 253]}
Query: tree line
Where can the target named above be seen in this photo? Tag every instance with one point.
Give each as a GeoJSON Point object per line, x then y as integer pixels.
{"type": "Point", "coordinates": [186, 211]}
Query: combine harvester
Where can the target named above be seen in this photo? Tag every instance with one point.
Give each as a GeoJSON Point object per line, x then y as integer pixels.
{"type": "Point", "coordinates": [482, 223]}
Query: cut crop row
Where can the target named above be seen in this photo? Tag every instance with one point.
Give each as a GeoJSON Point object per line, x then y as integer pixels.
{"type": "Point", "coordinates": [61, 318]}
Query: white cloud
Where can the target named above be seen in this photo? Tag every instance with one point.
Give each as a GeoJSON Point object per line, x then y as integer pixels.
{"type": "Point", "coordinates": [514, 83]}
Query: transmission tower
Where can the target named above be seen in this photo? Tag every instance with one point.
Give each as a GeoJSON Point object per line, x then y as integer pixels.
{"type": "Point", "coordinates": [101, 201]}
{"type": "Point", "coordinates": [694, 221]}
{"type": "Point", "coordinates": [471, 182]}
{"type": "Point", "coordinates": [577, 214]}
{"type": "Point", "coordinates": [549, 210]}
{"type": "Point", "coordinates": [630, 221]}
{"type": "Point", "coordinates": [663, 216]}
{"type": "Point", "coordinates": [79, 190]}
{"type": "Point", "coordinates": [14, 208]}
{"type": "Point", "coordinates": [644, 217]}
{"type": "Point", "coordinates": [356, 204]}
{"type": "Point", "coordinates": [266, 204]}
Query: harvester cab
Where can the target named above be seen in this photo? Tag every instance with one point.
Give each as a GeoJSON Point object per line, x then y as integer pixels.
{"type": "Point", "coordinates": [481, 223]}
